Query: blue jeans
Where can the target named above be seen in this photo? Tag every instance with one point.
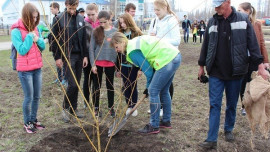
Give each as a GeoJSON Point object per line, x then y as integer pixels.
{"type": "Point", "coordinates": [216, 88]}
{"type": "Point", "coordinates": [31, 82]}
{"type": "Point", "coordinates": [186, 34]}
{"type": "Point", "coordinates": [159, 91]}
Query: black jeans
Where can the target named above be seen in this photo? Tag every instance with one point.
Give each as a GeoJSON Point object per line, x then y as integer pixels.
{"type": "Point", "coordinates": [246, 79]}
{"type": "Point", "coordinates": [109, 73]}
{"type": "Point", "coordinates": [72, 89]}
{"type": "Point", "coordinates": [88, 78]}
{"type": "Point", "coordinates": [201, 36]}
{"type": "Point", "coordinates": [195, 38]}
{"type": "Point", "coordinates": [129, 76]}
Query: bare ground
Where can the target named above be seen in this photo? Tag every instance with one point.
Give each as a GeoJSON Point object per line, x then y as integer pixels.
{"type": "Point", "coordinates": [189, 118]}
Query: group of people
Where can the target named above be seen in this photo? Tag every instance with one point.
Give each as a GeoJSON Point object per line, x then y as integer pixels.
{"type": "Point", "coordinates": [91, 44]}
{"type": "Point", "coordinates": [231, 50]}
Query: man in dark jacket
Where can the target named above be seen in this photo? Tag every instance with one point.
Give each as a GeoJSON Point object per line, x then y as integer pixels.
{"type": "Point", "coordinates": [185, 26]}
{"type": "Point", "coordinates": [229, 40]}
{"type": "Point", "coordinates": [70, 32]}
{"type": "Point", "coordinates": [55, 7]}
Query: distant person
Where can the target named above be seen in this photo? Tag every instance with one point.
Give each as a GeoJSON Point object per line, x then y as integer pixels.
{"type": "Point", "coordinates": [29, 44]}
{"type": "Point", "coordinates": [144, 26]}
{"type": "Point", "coordinates": [111, 17]}
{"type": "Point", "coordinates": [91, 23]}
{"type": "Point", "coordinates": [201, 28]}
{"type": "Point", "coordinates": [55, 8]}
{"type": "Point", "coordinates": [61, 72]}
{"type": "Point", "coordinates": [127, 71]}
{"type": "Point", "coordinates": [69, 29]}
{"type": "Point", "coordinates": [229, 37]}
{"type": "Point", "coordinates": [165, 26]}
{"type": "Point", "coordinates": [248, 9]}
{"type": "Point", "coordinates": [130, 9]}
{"type": "Point", "coordinates": [103, 59]}
{"type": "Point", "coordinates": [194, 29]}
{"type": "Point", "coordinates": [185, 26]}
{"type": "Point", "coordinates": [81, 11]}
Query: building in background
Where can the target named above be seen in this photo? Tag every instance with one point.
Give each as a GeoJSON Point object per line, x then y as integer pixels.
{"type": "Point", "coordinates": [120, 8]}
{"type": "Point", "coordinates": [11, 9]}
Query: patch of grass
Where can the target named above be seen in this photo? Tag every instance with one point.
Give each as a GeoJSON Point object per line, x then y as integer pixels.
{"type": "Point", "coordinates": [5, 38]}
{"type": "Point", "coordinates": [4, 58]}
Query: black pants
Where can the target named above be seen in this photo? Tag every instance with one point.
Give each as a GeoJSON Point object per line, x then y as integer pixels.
{"type": "Point", "coordinates": [129, 76]}
{"type": "Point", "coordinates": [88, 79]}
{"type": "Point", "coordinates": [201, 36]}
{"type": "Point", "coordinates": [246, 79]}
{"type": "Point", "coordinates": [195, 38]}
{"type": "Point", "coordinates": [109, 73]}
{"type": "Point", "coordinates": [72, 89]}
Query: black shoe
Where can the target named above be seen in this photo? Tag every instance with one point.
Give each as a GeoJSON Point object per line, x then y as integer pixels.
{"type": "Point", "coordinates": [165, 124]}
{"type": "Point", "coordinates": [208, 145]}
{"type": "Point", "coordinates": [97, 112]}
{"type": "Point", "coordinates": [229, 136]}
{"type": "Point", "coordinates": [148, 129]}
{"type": "Point", "coordinates": [112, 112]}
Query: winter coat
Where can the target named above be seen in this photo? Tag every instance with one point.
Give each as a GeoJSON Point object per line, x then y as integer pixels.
{"type": "Point", "coordinates": [29, 53]}
{"type": "Point", "coordinates": [242, 38]}
{"type": "Point", "coordinates": [61, 29]}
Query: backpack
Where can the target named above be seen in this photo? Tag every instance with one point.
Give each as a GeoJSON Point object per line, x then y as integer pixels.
{"type": "Point", "coordinates": [13, 57]}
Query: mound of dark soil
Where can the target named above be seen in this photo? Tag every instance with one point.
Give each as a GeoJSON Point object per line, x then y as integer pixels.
{"type": "Point", "coordinates": [73, 139]}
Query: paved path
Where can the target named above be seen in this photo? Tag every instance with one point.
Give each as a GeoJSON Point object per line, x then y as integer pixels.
{"type": "Point", "coordinates": [5, 45]}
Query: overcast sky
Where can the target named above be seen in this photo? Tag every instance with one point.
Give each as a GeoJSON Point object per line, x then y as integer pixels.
{"type": "Point", "coordinates": [186, 5]}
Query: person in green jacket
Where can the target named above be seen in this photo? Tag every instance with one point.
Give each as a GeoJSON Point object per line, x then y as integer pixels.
{"type": "Point", "coordinates": [159, 61]}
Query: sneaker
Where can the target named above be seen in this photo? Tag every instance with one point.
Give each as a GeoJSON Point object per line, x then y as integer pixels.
{"type": "Point", "coordinates": [165, 124]}
{"type": "Point", "coordinates": [30, 128]}
{"type": "Point", "coordinates": [112, 112]}
{"type": "Point", "coordinates": [38, 125]}
{"type": "Point", "coordinates": [148, 129]}
{"type": "Point", "coordinates": [243, 112]}
{"type": "Point", "coordinates": [65, 115]}
{"type": "Point", "coordinates": [135, 113]}
{"type": "Point", "coordinates": [149, 111]}
{"type": "Point", "coordinates": [161, 113]}
{"type": "Point", "coordinates": [208, 145]}
{"type": "Point", "coordinates": [79, 115]}
{"type": "Point", "coordinates": [229, 136]}
{"type": "Point", "coordinates": [97, 112]}
{"type": "Point", "coordinates": [128, 111]}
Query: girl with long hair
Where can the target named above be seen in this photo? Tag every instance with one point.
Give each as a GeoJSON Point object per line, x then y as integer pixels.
{"type": "Point", "coordinates": [29, 44]}
{"type": "Point", "coordinates": [150, 53]}
{"type": "Point", "coordinates": [128, 72]}
{"type": "Point", "coordinates": [201, 29]}
{"type": "Point", "coordinates": [103, 58]}
{"type": "Point", "coordinates": [165, 26]}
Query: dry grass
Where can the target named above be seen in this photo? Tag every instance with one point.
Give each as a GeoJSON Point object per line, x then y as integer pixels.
{"type": "Point", "coordinates": [189, 119]}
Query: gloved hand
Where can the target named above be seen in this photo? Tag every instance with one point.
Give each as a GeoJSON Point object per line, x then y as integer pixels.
{"type": "Point", "coordinates": [203, 79]}
{"type": "Point", "coordinates": [146, 92]}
